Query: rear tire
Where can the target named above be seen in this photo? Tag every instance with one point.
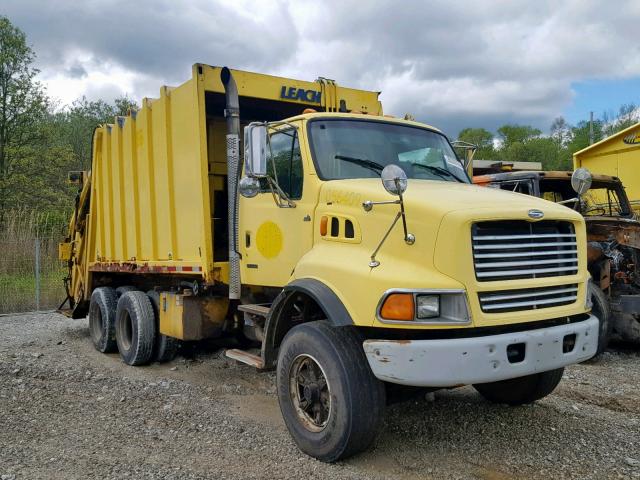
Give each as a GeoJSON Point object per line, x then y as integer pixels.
{"type": "Point", "coordinates": [602, 311]}
{"type": "Point", "coordinates": [124, 289]}
{"type": "Point", "coordinates": [331, 403]}
{"type": "Point", "coordinates": [627, 326]}
{"type": "Point", "coordinates": [165, 347]}
{"type": "Point", "coordinates": [102, 319]}
{"type": "Point", "coordinates": [521, 390]}
{"type": "Point", "coordinates": [135, 328]}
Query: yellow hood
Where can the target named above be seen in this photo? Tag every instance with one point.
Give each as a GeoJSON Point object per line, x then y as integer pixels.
{"type": "Point", "coordinates": [440, 215]}
{"type": "Point", "coordinates": [434, 197]}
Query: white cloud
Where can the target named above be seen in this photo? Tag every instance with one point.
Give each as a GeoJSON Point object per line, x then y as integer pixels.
{"type": "Point", "coordinates": [452, 64]}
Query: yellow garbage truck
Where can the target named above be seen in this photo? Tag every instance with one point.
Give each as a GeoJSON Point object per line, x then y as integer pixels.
{"type": "Point", "coordinates": [346, 248]}
{"type": "Point", "coordinates": [618, 156]}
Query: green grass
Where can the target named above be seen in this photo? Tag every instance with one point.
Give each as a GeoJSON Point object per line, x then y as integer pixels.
{"type": "Point", "coordinates": [18, 291]}
{"type": "Point", "coordinates": [21, 230]}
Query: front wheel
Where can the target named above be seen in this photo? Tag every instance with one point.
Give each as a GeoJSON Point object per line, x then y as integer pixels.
{"type": "Point", "coordinates": [521, 390]}
{"type": "Point", "coordinates": [330, 401]}
{"type": "Point", "coordinates": [600, 309]}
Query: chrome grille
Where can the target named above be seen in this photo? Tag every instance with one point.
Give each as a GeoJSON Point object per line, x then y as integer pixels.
{"type": "Point", "coordinates": [527, 298]}
{"type": "Point", "coordinates": [511, 250]}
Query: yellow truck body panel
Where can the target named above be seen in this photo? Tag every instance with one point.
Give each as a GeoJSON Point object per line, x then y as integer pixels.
{"type": "Point", "coordinates": [618, 156]}
{"type": "Point", "coordinates": [156, 172]}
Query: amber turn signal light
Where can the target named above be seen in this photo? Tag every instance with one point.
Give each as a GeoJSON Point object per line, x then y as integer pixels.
{"type": "Point", "coordinates": [323, 226]}
{"type": "Point", "coordinates": [398, 306]}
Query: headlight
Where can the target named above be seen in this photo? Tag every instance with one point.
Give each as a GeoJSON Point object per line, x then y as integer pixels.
{"type": "Point", "coordinates": [437, 307]}
{"type": "Point", "coordinates": [427, 306]}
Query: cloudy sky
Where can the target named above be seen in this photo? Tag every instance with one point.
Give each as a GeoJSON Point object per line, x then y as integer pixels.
{"type": "Point", "coordinates": [451, 64]}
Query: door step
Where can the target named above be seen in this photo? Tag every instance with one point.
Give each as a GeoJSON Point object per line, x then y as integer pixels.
{"type": "Point", "coordinates": [245, 357]}
{"type": "Point", "coordinates": [260, 310]}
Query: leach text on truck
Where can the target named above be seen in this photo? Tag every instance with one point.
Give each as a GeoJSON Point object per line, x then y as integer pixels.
{"type": "Point", "coordinates": [349, 247]}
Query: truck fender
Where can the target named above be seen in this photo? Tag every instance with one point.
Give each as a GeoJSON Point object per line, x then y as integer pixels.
{"type": "Point", "coordinates": [277, 323]}
{"type": "Point", "coordinates": [328, 301]}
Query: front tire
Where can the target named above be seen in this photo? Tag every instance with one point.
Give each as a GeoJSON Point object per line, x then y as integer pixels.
{"type": "Point", "coordinates": [521, 390]}
{"type": "Point", "coordinates": [135, 328]}
{"type": "Point", "coordinates": [102, 319]}
{"type": "Point", "coordinates": [602, 311]}
{"type": "Point", "coordinates": [331, 403]}
{"type": "Point", "coordinates": [627, 326]}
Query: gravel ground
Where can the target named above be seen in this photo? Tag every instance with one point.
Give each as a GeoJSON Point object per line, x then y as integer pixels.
{"type": "Point", "coordinates": [67, 411]}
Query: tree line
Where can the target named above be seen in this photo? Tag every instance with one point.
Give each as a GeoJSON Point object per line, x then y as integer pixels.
{"type": "Point", "coordinates": [524, 143]}
{"type": "Point", "coordinates": [41, 142]}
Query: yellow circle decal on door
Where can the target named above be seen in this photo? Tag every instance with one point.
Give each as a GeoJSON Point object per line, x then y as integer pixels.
{"type": "Point", "coordinates": [269, 240]}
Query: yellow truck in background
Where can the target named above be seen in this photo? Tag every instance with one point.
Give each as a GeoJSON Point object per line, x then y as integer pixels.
{"type": "Point", "coordinates": [618, 156]}
{"type": "Point", "coordinates": [348, 247]}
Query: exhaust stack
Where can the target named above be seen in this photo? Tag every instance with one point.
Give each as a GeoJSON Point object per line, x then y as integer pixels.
{"type": "Point", "coordinates": [232, 114]}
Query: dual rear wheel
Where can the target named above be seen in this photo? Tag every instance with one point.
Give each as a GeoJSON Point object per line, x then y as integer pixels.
{"type": "Point", "coordinates": [127, 320]}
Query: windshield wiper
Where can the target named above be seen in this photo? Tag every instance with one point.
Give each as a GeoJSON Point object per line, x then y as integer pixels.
{"type": "Point", "coordinates": [439, 171]}
{"type": "Point", "coordinates": [363, 162]}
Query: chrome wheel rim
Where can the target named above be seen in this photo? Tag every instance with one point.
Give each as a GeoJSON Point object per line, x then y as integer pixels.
{"type": "Point", "coordinates": [310, 392]}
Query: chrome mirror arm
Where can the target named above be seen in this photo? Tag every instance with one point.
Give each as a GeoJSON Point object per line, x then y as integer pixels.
{"type": "Point", "coordinates": [409, 238]}
{"type": "Point", "coordinates": [368, 204]}
{"type": "Point", "coordinates": [281, 198]}
{"type": "Point", "coordinates": [374, 263]}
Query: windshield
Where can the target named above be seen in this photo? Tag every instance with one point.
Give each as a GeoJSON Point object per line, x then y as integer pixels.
{"type": "Point", "coordinates": [602, 199]}
{"type": "Point", "coordinates": [361, 149]}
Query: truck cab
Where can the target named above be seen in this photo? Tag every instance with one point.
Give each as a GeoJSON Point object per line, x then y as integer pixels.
{"type": "Point", "coordinates": [372, 225]}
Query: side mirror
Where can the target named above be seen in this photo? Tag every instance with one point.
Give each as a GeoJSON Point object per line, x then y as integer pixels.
{"type": "Point", "coordinates": [394, 180]}
{"type": "Point", "coordinates": [76, 177]}
{"type": "Point", "coordinates": [469, 150]}
{"type": "Point", "coordinates": [581, 181]}
{"type": "Point", "coordinates": [249, 187]}
{"type": "Point", "coordinates": [255, 150]}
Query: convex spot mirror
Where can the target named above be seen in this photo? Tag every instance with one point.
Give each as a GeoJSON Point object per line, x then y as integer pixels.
{"type": "Point", "coordinates": [255, 150]}
{"type": "Point", "coordinates": [581, 181]}
{"type": "Point", "coordinates": [249, 187]}
{"type": "Point", "coordinates": [394, 180]}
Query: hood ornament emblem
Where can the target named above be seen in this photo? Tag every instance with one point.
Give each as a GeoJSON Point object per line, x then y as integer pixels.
{"type": "Point", "coordinates": [535, 214]}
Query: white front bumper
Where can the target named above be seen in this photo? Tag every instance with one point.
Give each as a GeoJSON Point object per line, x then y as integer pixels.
{"type": "Point", "coordinates": [464, 361]}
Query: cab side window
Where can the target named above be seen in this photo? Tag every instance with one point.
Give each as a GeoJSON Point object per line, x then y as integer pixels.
{"type": "Point", "coordinates": [519, 186]}
{"type": "Point", "coordinates": [285, 150]}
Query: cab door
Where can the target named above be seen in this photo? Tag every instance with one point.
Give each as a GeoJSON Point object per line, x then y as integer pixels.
{"type": "Point", "coordinates": [272, 237]}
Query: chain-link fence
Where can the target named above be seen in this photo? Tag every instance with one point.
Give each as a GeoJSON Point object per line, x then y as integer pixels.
{"type": "Point", "coordinates": [30, 275]}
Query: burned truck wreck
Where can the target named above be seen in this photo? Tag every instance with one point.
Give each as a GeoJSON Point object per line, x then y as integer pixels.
{"type": "Point", "coordinates": [613, 253]}
{"type": "Point", "coordinates": [613, 235]}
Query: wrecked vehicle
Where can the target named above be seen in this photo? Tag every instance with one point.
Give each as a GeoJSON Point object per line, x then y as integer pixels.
{"type": "Point", "coordinates": [613, 236]}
